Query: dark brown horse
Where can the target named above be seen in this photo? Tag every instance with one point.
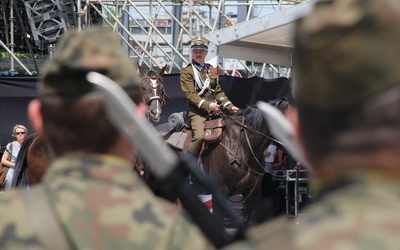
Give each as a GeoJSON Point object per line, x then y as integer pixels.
{"type": "Point", "coordinates": [153, 92]}
{"type": "Point", "coordinates": [236, 162]}
{"type": "Point", "coordinates": [32, 161]}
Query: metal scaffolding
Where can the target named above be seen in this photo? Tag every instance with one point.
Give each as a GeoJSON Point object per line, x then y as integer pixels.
{"type": "Point", "coordinates": [156, 32]}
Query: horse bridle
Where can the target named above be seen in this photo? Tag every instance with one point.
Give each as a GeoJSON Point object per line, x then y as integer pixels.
{"type": "Point", "coordinates": [155, 96]}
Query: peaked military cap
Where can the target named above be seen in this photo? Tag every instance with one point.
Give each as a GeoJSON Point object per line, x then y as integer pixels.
{"type": "Point", "coordinates": [78, 52]}
{"type": "Point", "coordinates": [199, 42]}
{"type": "Point", "coordinates": [347, 51]}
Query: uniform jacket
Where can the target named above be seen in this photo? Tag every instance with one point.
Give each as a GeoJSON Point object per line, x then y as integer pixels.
{"type": "Point", "coordinates": [101, 204]}
{"type": "Point", "coordinates": [198, 104]}
{"type": "Point", "coordinates": [360, 211]}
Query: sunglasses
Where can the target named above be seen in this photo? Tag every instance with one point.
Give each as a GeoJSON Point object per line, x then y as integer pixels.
{"type": "Point", "coordinates": [20, 133]}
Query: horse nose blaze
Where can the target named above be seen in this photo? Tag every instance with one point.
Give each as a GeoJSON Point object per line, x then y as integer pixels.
{"type": "Point", "coordinates": [153, 92]}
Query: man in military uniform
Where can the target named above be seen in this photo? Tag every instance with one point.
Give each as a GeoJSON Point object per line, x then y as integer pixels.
{"type": "Point", "coordinates": [348, 120]}
{"type": "Point", "coordinates": [199, 83]}
{"type": "Point", "coordinates": [90, 198]}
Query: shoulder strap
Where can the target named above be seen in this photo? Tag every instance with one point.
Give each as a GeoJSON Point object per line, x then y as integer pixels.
{"type": "Point", "coordinates": [11, 147]}
{"type": "Point", "coordinates": [9, 151]}
{"type": "Point", "coordinates": [199, 82]}
{"type": "Point", "coordinates": [43, 218]}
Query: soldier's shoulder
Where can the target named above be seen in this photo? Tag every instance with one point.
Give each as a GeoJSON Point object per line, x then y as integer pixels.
{"type": "Point", "coordinates": [334, 221]}
{"type": "Point", "coordinates": [272, 234]}
{"type": "Point", "coordinates": [15, 223]}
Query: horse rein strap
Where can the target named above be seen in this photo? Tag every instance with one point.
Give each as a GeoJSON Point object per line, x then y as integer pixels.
{"type": "Point", "coordinates": [255, 131]}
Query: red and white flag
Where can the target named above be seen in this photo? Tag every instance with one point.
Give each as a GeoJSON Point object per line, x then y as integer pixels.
{"type": "Point", "coordinates": [207, 200]}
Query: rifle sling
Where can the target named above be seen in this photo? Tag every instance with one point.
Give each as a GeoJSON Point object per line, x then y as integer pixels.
{"type": "Point", "coordinates": [44, 219]}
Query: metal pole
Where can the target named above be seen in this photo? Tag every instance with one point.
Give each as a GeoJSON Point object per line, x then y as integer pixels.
{"type": "Point", "coordinates": [296, 190]}
{"type": "Point", "coordinates": [217, 16]}
{"type": "Point", "coordinates": [190, 25]}
{"type": "Point", "coordinates": [250, 10]}
{"type": "Point", "coordinates": [263, 70]}
{"type": "Point", "coordinates": [176, 34]}
{"type": "Point", "coordinates": [151, 32]}
{"type": "Point", "coordinates": [51, 50]}
{"type": "Point", "coordinates": [287, 192]}
{"type": "Point", "coordinates": [12, 69]}
{"type": "Point", "coordinates": [79, 13]}
{"type": "Point", "coordinates": [13, 56]}
{"type": "Point", "coordinates": [125, 22]}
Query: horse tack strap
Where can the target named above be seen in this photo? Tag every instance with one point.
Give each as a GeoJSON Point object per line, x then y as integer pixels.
{"type": "Point", "coordinates": [252, 151]}
{"type": "Point", "coordinates": [235, 158]}
{"type": "Point", "coordinates": [43, 218]}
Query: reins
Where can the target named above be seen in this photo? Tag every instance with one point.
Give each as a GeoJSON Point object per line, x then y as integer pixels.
{"type": "Point", "coordinates": [241, 124]}
{"type": "Point", "coordinates": [258, 174]}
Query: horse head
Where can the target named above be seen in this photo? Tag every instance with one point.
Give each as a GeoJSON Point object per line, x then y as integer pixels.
{"type": "Point", "coordinates": [153, 92]}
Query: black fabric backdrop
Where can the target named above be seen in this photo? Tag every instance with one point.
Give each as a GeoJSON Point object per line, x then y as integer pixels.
{"type": "Point", "coordinates": [16, 92]}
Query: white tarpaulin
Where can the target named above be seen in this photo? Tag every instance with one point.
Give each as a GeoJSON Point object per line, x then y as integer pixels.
{"type": "Point", "coordinates": [266, 39]}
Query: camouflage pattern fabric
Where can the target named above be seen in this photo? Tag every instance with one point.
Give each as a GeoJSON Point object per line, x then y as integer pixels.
{"type": "Point", "coordinates": [94, 49]}
{"type": "Point", "coordinates": [355, 212]}
{"type": "Point", "coordinates": [93, 197]}
{"type": "Point", "coordinates": [347, 51]}
{"type": "Point", "coordinates": [362, 213]}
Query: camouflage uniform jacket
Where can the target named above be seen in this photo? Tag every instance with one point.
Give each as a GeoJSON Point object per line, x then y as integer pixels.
{"type": "Point", "coordinates": [358, 212]}
{"type": "Point", "coordinates": [101, 204]}
{"type": "Point", "coordinates": [198, 104]}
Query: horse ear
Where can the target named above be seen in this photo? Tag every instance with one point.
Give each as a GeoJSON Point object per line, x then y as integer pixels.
{"type": "Point", "coordinates": [141, 70]}
{"type": "Point", "coordinates": [162, 70]}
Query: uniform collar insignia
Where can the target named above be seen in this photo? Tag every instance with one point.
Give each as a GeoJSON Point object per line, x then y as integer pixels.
{"type": "Point", "coordinates": [201, 68]}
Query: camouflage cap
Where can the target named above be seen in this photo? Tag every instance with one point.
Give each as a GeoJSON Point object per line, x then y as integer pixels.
{"type": "Point", "coordinates": [347, 51]}
{"type": "Point", "coordinates": [92, 49]}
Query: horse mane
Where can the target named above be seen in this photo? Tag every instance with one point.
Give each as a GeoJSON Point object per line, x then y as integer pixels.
{"type": "Point", "coordinates": [21, 166]}
{"type": "Point", "coordinates": [253, 117]}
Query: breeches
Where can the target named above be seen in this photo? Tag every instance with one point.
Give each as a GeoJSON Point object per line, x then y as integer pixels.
{"type": "Point", "coordinates": [197, 123]}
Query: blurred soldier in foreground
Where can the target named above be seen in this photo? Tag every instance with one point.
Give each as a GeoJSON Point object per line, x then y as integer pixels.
{"type": "Point", "coordinates": [90, 198]}
{"type": "Point", "coordinates": [348, 119]}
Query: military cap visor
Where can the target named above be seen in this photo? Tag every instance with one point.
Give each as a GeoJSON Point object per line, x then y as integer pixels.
{"type": "Point", "coordinates": [199, 46]}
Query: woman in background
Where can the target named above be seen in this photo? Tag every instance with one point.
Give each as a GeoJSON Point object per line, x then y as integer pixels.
{"type": "Point", "coordinates": [11, 152]}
